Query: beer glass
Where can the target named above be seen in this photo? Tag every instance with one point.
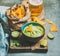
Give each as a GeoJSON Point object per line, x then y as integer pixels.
{"type": "Point", "coordinates": [36, 7]}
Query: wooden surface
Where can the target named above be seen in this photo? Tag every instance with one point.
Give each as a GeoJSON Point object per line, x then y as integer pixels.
{"type": "Point", "coordinates": [34, 48]}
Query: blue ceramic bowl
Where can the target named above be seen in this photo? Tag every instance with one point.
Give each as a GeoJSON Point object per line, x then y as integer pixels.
{"type": "Point", "coordinates": [28, 38]}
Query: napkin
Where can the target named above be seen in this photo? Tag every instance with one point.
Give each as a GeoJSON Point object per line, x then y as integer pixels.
{"type": "Point", "coordinates": [4, 33]}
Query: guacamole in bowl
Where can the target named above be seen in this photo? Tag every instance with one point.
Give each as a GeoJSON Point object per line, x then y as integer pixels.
{"type": "Point", "coordinates": [33, 31]}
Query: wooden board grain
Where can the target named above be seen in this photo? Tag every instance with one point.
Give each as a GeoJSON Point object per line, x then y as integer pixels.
{"type": "Point", "coordinates": [34, 48]}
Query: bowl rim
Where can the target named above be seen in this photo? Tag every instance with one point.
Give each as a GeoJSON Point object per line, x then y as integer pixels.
{"type": "Point", "coordinates": [35, 23]}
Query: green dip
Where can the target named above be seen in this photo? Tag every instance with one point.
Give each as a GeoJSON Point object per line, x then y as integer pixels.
{"type": "Point", "coordinates": [36, 31]}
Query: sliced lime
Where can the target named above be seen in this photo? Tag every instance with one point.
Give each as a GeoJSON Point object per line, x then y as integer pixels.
{"type": "Point", "coordinates": [15, 34]}
{"type": "Point", "coordinates": [43, 43]}
{"type": "Point", "coordinates": [50, 35]}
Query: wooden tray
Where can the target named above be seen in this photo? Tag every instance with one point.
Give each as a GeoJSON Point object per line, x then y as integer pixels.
{"type": "Point", "coordinates": [33, 48]}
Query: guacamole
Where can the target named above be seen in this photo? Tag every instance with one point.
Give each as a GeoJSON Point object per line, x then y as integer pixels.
{"type": "Point", "coordinates": [33, 31]}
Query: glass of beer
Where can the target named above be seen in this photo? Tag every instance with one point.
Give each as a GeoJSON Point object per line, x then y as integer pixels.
{"type": "Point", "coordinates": [36, 7]}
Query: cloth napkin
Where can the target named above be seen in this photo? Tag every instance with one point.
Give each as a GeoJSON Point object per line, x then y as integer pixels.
{"type": "Point", "coordinates": [4, 33]}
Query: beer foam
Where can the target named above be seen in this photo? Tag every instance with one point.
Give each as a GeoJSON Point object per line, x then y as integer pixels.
{"type": "Point", "coordinates": [35, 2]}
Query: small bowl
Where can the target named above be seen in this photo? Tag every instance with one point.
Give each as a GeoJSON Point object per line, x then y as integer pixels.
{"type": "Point", "coordinates": [28, 38]}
